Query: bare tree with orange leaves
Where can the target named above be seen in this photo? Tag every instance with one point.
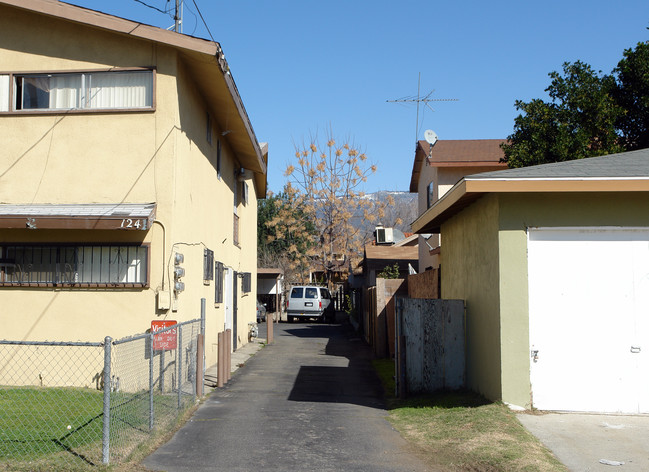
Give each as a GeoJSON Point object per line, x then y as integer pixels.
{"type": "Point", "coordinates": [328, 182]}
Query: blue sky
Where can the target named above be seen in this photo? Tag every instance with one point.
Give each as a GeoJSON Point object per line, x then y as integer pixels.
{"type": "Point", "coordinates": [304, 67]}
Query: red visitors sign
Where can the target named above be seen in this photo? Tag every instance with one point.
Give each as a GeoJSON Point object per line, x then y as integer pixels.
{"type": "Point", "coordinates": [164, 341]}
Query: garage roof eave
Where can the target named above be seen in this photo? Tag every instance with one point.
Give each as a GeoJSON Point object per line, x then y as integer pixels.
{"type": "Point", "coordinates": [471, 188]}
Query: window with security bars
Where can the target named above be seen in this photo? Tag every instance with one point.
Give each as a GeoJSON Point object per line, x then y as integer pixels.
{"type": "Point", "coordinates": [74, 265]}
{"type": "Point", "coordinates": [218, 282]}
{"type": "Point", "coordinates": [235, 230]}
{"type": "Point", "coordinates": [208, 265]}
{"type": "Point", "coordinates": [246, 282]}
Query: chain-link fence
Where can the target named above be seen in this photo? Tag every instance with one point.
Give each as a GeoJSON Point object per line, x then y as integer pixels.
{"type": "Point", "coordinates": [75, 405]}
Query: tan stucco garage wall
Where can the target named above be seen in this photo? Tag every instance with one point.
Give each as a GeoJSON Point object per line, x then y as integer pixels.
{"type": "Point", "coordinates": [470, 272]}
{"type": "Point", "coordinates": [519, 212]}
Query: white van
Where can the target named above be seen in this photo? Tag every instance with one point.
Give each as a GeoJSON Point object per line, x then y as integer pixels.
{"type": "Point", "coordinates": [309, 301]}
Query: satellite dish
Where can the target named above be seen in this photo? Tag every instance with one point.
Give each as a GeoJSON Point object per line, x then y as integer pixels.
{"type": "Point", "coordinates": [430, 136]}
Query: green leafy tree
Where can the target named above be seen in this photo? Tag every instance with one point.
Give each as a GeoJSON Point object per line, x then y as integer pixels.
{"type": "Point", "coordinates": [631, 92]}
{"type": "Point", "coordinates": [285, 235]}
{"type": "Point", "coordinates": [579, 121]}
{"type": "Point", "coordinates": [389, 272]}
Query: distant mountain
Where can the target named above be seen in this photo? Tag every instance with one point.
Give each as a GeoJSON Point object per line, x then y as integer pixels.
{"type": "Point", "coordinates": [404, 208]}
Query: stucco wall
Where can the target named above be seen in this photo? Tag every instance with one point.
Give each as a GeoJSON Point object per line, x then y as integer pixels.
{"type": "Point", "coordinates": [157, 156]}
{"type": "Point", "coordinates": [470, 272]}
{"type": "Point", "coordinates": [517, 213]}
{"type": "Point", "coordinates": [428, 174]}
{"type": "Point", "coordinates": [444, 179]}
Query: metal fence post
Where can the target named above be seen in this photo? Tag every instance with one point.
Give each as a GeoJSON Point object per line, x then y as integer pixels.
{"type": "Point", "coordinates": [199, 365]}
{"type": "Point", "coordinates": [105, 452]}
{"type": "Point", "coordinates": [163, 371]}
{"type": "Point", "coordinates": [180, 365]}
{"type": "Point", "coordinates": [151, 418]}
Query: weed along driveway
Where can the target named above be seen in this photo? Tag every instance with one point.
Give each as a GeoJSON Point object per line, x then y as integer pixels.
{"type": "Point", "coordinates": [311, 401]}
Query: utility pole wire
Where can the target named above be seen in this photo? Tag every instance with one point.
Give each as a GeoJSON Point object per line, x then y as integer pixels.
{"type": "Point", "coordinates": [203, 19]}
{"type": "Point", "coordinates": [152, 7]}
{"type": "Point", "coordinates": [177, 18]}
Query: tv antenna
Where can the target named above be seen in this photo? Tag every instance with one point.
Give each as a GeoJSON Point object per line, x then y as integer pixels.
{"type": "Point", "coordinates": [418, 99]}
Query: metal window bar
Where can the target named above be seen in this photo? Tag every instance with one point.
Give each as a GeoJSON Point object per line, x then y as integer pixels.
{"type": "Point", "coordinates": [218, 283]}
{"type": "Point", "coordinates": [235, 230]}
{"type": "Point", "coordinates": [74, 265]}
{"type": "Point", "coordinates": [208, 264]}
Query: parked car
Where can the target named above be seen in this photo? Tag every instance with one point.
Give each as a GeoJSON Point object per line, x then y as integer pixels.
{"type": "Point", "coordinates": [261, 312]}
{"type": "Point", "coordinates": [309, 301]}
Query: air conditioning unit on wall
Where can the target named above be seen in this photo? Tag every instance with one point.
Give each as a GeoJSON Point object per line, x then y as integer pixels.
{"type": "Point", "coordinates": [384, 235]}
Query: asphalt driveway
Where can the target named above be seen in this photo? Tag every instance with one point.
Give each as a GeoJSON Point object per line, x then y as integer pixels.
{"type": "Point", "coordinates": [591, 442]}
{"type": "Point", "coordinates": [309, 402]}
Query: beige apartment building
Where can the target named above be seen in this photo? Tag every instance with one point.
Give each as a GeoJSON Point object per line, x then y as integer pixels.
{"type": "Point", "coordinates": [129, 179]}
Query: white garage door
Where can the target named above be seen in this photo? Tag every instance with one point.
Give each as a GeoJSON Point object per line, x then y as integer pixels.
{"type": "Point", "coordinates": [589, 319]}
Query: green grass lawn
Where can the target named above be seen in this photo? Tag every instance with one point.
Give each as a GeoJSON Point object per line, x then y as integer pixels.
{"type": "Point", "coordinates": [462, 431]}
{"type": "Point", "coordinates": [62, 428]}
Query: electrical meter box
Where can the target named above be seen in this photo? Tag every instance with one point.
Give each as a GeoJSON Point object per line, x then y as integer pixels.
{"type": "Point", "coordinates": [164, 300]}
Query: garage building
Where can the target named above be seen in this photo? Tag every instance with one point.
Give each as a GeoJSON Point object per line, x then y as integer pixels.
{"type": "Point", "coordinates": [553, 263]}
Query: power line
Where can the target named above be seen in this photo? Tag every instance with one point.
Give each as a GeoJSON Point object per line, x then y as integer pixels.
{"type": "Point", "coordinates": [151, 6]}
{"type": "Point", "coordinates": [167, 11]}
{"type": "Point", "coordinates": [203, 19]}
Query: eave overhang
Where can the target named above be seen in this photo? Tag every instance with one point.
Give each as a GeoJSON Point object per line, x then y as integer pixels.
{"type": "Point", "coordinates": [85, 216]}
{"type": "Point", "coordinates": [468, 190]}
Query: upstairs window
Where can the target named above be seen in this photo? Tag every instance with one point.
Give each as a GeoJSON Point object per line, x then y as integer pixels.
{"type": "Point", "coordinates": [218, 159]}
{"type": "Point", "coordinates": [113, 90]}
{"type": "Point", "coordinates": [208, 126]}
{"type": "Point", "coordinates": [430, 195]}
{"type": "Point", "coordinates": [4, 92]}
{"type": "Point", "coordinates": [208, 265]}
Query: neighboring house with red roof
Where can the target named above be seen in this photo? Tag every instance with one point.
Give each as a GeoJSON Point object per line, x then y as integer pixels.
{"type": "Point", "coordinates": [437, 168]}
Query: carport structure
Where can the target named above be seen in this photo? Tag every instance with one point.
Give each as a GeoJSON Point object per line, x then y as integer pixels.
{"type": "Point", "coordinates": [553, 263]}
{"type": "Point", "coordinates": [270, 286]}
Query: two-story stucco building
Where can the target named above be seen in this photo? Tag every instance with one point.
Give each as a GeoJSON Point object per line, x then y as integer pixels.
{"type": "Point", "coordinates": [129, 179]}
{"type": "Point", "coordinates": [437, 168]}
